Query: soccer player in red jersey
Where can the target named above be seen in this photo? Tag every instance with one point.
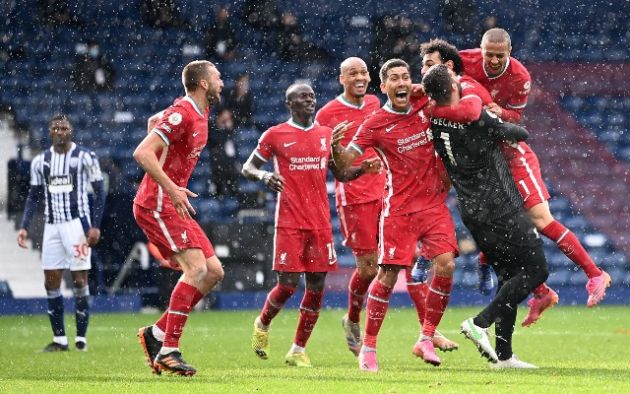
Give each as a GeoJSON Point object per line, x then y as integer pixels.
{"type": "Point", "coordinates": [359, 203]}
{"type": "Point", "coordinates": [509, 84]}
{"type": "Point", "coordinates": [161, 208]}
{"type": "Point", "coordinates": [303, 240]}
{"type": "Point", "coordinates": [414, 207]}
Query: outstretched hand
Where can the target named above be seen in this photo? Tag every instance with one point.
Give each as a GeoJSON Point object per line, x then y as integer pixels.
{"type": "Point", "coordinates": [179, 198]}
{"type": "Point", "coordinates": [372, 166]}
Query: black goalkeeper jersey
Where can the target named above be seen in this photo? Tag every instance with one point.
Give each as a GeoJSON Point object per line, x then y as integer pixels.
{"type": "Point", "coordinates": [475, 165]}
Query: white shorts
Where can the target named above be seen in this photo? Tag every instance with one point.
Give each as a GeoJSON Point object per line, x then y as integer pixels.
{"type": "Point", "coordinates": [65, 247]}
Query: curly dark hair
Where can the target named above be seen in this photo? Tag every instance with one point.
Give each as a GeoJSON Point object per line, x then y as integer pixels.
{"type": "Point", "coordinates": [447, 52]}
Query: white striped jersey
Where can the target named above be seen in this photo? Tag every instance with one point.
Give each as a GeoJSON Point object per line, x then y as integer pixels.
{"type": "Point", "coordinates": [65, 178]}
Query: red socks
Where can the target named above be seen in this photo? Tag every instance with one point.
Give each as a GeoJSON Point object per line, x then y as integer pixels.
{"type": "Point", "coordinates": [161, 323]}
{"type": "Point", "coordinates": [180, 306]}
{"type": "Point", "coordinates": [309, 313]}
{"type": "Point", "coordinates": [571, 247]}
{"type": "Point", "coordinates": [275, 301]}
{"type": "Point", "coordinates": [357, 289]}
{"type": "Point", "coordinates": [418, 293]}
{"type": "Point", "coordinates": [437, 300]}
{"type": "Point", "coordinates": [377, 303]}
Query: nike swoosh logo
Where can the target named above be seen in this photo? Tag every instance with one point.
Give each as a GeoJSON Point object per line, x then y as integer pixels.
{"type": "Point", "coordinates": [196, 134]}
{"type": "Point", "coordinates": [388, 129]}
{"type": "Point", "coordinates": [288, 144]}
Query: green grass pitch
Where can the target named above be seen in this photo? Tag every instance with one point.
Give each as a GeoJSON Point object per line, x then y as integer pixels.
{"type": "Point", "coordinates": [577, 350]}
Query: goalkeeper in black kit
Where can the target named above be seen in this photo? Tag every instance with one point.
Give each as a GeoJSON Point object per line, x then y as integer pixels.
{"type": "Point", "coordinates": [491, 208]}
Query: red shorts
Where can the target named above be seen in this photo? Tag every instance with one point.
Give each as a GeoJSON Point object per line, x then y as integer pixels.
{"type": "Point", "coordinates": [399, 236]}
{"type": "Point", "coordinates": [298, 250]}
{"type": "Point", "coordinates": [359, 226]}
{"type": "Point", "coordinates": [527, 175]}
{"type": "Point", "coordinates": [172, 234]}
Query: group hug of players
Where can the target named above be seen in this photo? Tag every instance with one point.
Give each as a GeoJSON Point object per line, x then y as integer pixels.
{"type": "Point", "coordinates": [394, 165]}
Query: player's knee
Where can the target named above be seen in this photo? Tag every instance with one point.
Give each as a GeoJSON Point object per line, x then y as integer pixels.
{"type": "Point", "coordinates": [79, 283]}
{"type": "Point", "coordinates": [367, 272]}
{"type": "Point", "coordinates": [444, 266]}
{"type": "Point", "coordinates": [215, 273]}
{"type": "Point", "coordinates": [540, 216]}
{"type": "Point", "coordinates": [198, 273]}
{"type": "Point", "coordinates": [389, 275]}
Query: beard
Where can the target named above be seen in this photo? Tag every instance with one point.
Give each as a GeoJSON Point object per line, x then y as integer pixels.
{"type": "Point", "coordinates": [213, 97]}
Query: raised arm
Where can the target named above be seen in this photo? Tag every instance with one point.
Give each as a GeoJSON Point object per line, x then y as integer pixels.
{"type": "Point", "coordinates": [467, 110]}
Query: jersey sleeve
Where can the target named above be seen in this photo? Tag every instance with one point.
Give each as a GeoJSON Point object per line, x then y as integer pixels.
{"type": "Point", "coordinates": [92, 166]}
{"type": "Point", "coordinates": [172, 125]}
{"type": "Point", "coordinates": [264, 150]}
{"type": "Point", "coordinates": [467, 110]}
{"type": "Point", "coordinates": [513, 110]}
{"type": "Point", "coordinates": [472, 87]}
{"type": "Point", "coordinates": [37, 178]}
{"type": "Point", "coordinates": [364, 138]}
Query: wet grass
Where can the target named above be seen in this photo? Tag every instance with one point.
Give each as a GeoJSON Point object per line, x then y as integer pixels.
{"type": "Point", "coordinates": [577, 350]}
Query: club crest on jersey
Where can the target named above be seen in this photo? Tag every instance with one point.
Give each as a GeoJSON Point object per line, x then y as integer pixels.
{"type": "Point", "coordinates": [526, 87]}
{"type": "Point", "coordinates": [184, 237]}
{"type": "Point", "coordinates": [392, 252]}
{"type": "Point", "coordinates": [283, 258]}
{"type": "Point", "coordinates": [324, 145]}
{"type": "Point", "coordinates": [175, 118]}
{"type": "Point", "coordinates": [422, 116]}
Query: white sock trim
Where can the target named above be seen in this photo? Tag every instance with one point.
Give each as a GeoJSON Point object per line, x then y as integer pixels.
{"type": "Point", "coordinates": [158, 333]}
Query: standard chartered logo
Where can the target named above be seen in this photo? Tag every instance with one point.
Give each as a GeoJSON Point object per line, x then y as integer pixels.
{"type": "Point", "coordinates": [307, 163]}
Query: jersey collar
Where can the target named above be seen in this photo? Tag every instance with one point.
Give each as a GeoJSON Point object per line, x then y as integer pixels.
{"type": "Point", "coordinates": [341, 98]}
{"type": "Point", "coordinates": [293, 123]}
{"type": "Point", "coordinates": [72, 147]}
{"type": "Point", "coordinates": [388, 107]}
{"type": "Point", "coordinates": [507, 65]}
{"type": "Point", "coordinates": [192, 102]}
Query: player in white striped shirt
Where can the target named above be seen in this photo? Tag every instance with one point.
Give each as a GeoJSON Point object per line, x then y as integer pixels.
{"type": "Point", "coordinates": [63, 175]}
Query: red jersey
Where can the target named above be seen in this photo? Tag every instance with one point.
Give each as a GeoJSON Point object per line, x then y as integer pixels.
{"type": "Point", "coordinates": [509, 89]}
{"type": "Point", "coordinates": [300, 154]}
{"type": "Point", "coordinates": [403, 141]}
{"type": "Point", "coordinates": [368, 187]}
{"type": "Point", "coordinates": [184, 128]}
